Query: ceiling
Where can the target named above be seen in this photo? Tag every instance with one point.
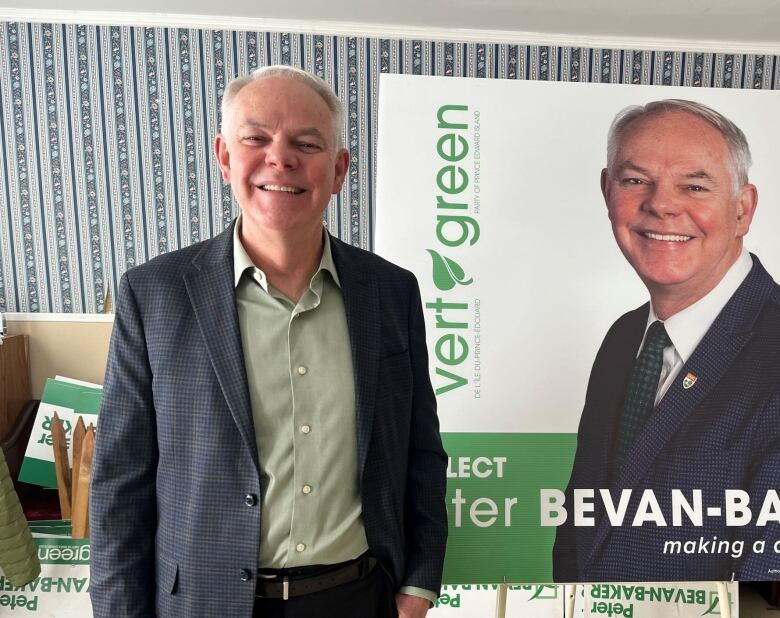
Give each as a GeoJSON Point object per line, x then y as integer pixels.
{"type": "Point", "coordinates": [714, 25]}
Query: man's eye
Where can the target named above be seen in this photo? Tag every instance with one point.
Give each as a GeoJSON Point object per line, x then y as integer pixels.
{"type": "Point", "coordinates": [633, 181]}
{"type": "Point", "coordinates": [696, 188]}
{"type": "Point", "coordinates": [309, 146]}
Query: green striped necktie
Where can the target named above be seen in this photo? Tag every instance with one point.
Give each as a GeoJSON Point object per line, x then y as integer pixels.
{"type": "Point", "coordinates": [642, 389]}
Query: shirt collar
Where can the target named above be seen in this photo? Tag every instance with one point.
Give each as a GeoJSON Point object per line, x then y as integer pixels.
{"type": "Point", "coordinates": [242, 261]}
{"type": "Point", "coordinates": [687, 328]}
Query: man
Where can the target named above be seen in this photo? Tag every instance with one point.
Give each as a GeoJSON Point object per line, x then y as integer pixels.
{"type": "Point", "coordinates": [268, 436]}
{"type": "Point", "coordinates": [684, 394]}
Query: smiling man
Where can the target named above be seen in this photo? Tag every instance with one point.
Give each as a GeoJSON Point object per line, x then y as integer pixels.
{"type": "Point", "coordinates": [684, 394]}
{"type": "Point", "coordinates": [269, 444]}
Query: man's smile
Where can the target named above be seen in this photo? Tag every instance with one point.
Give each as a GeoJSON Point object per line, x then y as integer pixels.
{"type": "Point", "coordinates": [666, 237]}
{"type": "Point", "coordinates": [282, 188]}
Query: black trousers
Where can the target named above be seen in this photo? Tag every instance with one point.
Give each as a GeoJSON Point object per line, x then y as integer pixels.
{"type": "Point", "coordinates": [369, 597]}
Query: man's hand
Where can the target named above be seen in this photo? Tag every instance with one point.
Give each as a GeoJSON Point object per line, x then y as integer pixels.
{"type": "Point", "coordinates": [410, 606]}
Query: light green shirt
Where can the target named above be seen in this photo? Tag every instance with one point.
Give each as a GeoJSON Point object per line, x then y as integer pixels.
{"type": "Point", "coordinates": [301, 387]}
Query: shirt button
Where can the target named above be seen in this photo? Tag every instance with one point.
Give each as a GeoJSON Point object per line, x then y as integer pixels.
{"type": "Point", "coordinates": [306, 489]}
{"type": "Point", "coordinates": [302, 370]}
{"type": "Point", "coordinates": [300, 547]}
{"type": "Point", "coordinates": [250, 500]}
{"type": "Point", "coordinates": [246, 575]}
{"type": "Point", "coordinates": [305, 428]}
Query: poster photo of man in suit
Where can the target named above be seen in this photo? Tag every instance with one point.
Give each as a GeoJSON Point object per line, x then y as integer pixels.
{"type": "Point", "coordinates": [269, 443]}
{"type": "Point", "coordinates": [677, 463]}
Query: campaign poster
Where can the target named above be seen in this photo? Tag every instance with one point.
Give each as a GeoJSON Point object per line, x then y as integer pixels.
{"type": "Point", "coordinates": [490, 192]}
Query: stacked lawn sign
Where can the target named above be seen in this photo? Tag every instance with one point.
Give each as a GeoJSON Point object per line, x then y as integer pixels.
{"type": "Point", "coordinates": [69, 399]}
{"type": "Point", "coordinates": [666, 600]}
{"type": "Point", "coordinates": [62, 589]}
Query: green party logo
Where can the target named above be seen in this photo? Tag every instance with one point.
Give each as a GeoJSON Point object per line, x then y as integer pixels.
{"type": "Point", "coordinates": [453, 229]}
{"type": "Point", "coordinates": [447, 273]}
{"type": "Point", "coordinates": [714, 608]}
{"type": "Point", "coordinates": [545, 592]}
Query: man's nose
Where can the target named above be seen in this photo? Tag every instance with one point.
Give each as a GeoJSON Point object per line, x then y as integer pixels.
{"type": "Point", "coordinates": [279, 154]}
{"type": "Point", "coordinates": [662, 200]}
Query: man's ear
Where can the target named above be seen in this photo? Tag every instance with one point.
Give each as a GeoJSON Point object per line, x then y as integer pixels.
{"type": "Point", "coordinates": [605, 186]}
{"type": "Point", "coordinates": [747, 200]}
{"type": "Point", "coordinates": [342, 165]}
{"type": "Point", "coordinates": [222, 155]}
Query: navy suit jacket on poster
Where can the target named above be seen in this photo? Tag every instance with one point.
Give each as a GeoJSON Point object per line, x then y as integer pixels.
{"type": "Point", "coordinates": [722, 432]}
{"type": "Point", "coordinates": [174, 530]}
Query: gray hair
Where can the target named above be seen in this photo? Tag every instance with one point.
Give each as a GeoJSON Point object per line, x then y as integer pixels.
{"type": "Point", "coordinates": [736, 142]}
{"type": "Point", "coordinates": [319, 85]}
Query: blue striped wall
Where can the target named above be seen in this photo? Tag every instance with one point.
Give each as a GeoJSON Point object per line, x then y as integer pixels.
{"type": "Point", "coordinates": [107, 130]}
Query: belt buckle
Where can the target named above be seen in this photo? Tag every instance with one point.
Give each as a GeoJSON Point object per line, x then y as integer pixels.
{"type": "Point", "coordinates": [285, 588]}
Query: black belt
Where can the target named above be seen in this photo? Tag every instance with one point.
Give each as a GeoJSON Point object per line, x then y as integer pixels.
{"type": "Point", "coordinates": [288, 583]}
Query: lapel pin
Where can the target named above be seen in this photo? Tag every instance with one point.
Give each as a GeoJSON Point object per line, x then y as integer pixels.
{"type": "Point", "coordinates": [689, 380]}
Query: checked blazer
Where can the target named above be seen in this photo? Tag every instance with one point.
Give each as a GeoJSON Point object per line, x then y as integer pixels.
{"type": "Point", "coordinates": [720, 433]}
{"type": "Point", "coordinates": [174, 524]}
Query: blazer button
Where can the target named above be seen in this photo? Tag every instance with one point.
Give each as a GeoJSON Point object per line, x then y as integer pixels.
{"type": "Point", "coordinates": [246, 575]}
{"type": "Point", "coordinates": [250, 499]}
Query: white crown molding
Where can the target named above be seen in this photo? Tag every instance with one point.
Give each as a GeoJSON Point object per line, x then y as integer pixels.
{"type": "Point", "coordinates": [59, 317]}
{"type": "Point", "coordinates": [392, 31]}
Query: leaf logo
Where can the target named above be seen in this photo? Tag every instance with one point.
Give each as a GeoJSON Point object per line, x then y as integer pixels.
{"type": "Point", "coordinates": [446, 272]}
{"type": "Point", "coordinates": [544, 592]}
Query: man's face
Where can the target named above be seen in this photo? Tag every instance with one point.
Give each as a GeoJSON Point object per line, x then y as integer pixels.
{"type": "Point", "coordinates": [279, 155]}
{"type": "Point", "coordinates": [673, 207]}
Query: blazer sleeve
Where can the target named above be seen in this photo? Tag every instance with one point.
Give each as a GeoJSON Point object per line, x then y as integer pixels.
{"type": "Point", "coordinates": [123, 508]}
{"type": "Point", "coordinates": [426, 481]}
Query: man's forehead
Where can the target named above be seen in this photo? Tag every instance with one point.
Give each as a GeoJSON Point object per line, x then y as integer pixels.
{"type": "Point", "coordinates": [673, 121]}
{"type": "Point", "coordinates": [665, 132]}
{"type": "Point", "coordinates": [272, 100]}
{"type": "Point", "coordinates": [277, 85]}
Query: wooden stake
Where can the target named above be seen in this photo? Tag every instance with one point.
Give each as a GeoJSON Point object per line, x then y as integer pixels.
{"type": "Point", "coordinates": [61, 467]}
{"type": "Point", "coordinates": [78, 437]}
{"type": "Point", "coordinates": [80, 523]}
{"type": "Point", "coordinates": [501, 601]}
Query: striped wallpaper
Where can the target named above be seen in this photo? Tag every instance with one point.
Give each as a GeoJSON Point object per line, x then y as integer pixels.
{"type": "Point", "coordinates": [107, 131]}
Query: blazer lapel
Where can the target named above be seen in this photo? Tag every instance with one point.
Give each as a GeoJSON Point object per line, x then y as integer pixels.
{"type": "Point", "coordinates": [614, 385]}
{"type": "Point", "coordinates": [210, 287]}
{"type": "Point", "coordinates": [609, 392]}
{"type": "Point", "coordinates": [712, 358]}
{"type": "Point", "coordinates": [672, 411]}
{"type": "Point", "coordinates": [361, 304]}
